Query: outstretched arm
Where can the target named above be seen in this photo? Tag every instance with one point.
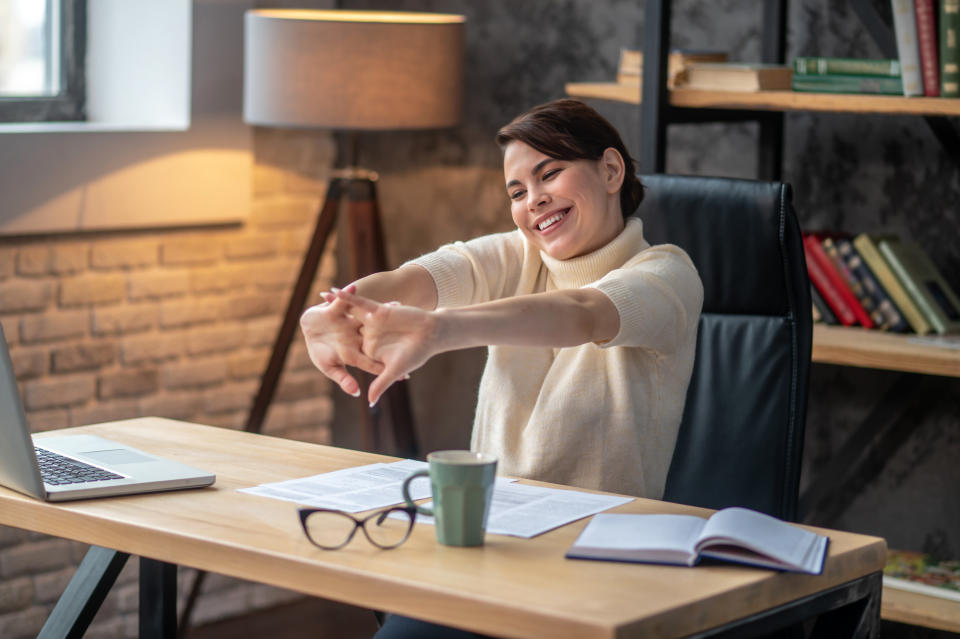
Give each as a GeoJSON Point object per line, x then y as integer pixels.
{"type": "Point", "coordinates": [403, 338]}
{"type": "Point", "coordinates": [333, 335]}
{"type": "Point", "coordinates": [411, 285]}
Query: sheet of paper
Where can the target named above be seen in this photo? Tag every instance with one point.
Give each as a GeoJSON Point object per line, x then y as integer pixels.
{"type": "Point", "coordinates": [526, 511]}
{"type": "Point", "coordinates": [351, 489]}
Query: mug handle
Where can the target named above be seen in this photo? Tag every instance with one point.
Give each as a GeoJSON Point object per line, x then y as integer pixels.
{"type": "Point", "coordinates": [406, 492]}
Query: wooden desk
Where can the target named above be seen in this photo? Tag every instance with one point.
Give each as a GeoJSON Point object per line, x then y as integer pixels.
{"type": "Point", "coordinates": [509, 587]}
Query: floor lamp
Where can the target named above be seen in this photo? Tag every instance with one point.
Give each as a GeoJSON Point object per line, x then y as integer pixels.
{"type": "Point", "coordinates": [348, 72]}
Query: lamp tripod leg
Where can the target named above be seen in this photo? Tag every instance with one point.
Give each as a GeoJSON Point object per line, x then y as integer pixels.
{"type": "Point", "coordinates": [298, 297]}
{"type": "Point", "coordinates": [392, 418]}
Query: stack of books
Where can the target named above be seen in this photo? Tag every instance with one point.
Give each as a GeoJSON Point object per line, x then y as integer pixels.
{"type": "Point", "coordinates": [732, 76]}
{"type": "Point", "coordinates": [706, 70]}
{"type": "Point", "coordinates": [847, 75]}
{"type": "Point", "coordinates": [878, 281]}
{"type": "Point", "coordinates": [630, 70]}
{"type": "Point", "coordinates": [928, 57]}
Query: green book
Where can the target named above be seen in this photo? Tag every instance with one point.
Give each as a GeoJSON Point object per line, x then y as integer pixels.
{"type": "Point", "coordinates": [866, 245]}
{"type": "Point", "coordinates": [949, 48]}
{"type": "Point", "coordinates": [848, 84]}
{"type": "Point", "coordinates": [846, 66]}
{"type": "Point", "coordinates": [924, 283]}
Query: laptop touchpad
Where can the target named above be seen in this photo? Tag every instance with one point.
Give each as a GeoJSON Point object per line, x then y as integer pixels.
{"type": "Point", "coordinates": [116, 456]}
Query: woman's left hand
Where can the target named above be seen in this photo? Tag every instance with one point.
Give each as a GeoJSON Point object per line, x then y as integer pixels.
{"type": "Point", "coordinates": [401, 337]}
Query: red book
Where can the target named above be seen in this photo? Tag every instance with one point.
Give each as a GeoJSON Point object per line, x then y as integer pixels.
{"type": "Point", "coordinates": [927, 42]}
{"type": "Point", "coordinates": [834, 290]}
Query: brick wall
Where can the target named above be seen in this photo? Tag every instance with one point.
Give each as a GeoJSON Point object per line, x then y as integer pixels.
{"type": "Point", "coordinates": [174, 323]}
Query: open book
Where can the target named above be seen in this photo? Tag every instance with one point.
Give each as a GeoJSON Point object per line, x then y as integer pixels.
{"type": "Point", "coordinates": [732, 534]}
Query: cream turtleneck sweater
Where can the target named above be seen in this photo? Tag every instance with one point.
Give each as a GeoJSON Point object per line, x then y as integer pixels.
{"type": "Point", "coordinates": [602, 416]}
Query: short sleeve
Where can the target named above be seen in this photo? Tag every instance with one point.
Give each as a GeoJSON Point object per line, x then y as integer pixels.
{"type": "Point", "coordinates": [479, 270]}
{"type": "Point", "coordinates": [657, 294]}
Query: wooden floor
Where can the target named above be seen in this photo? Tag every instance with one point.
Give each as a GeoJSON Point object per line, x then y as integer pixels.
{"type": "Point", "coordinates": [309, 619]}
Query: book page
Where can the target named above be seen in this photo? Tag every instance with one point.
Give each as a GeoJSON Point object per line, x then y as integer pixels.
{"type": "Point", "coordinates": [789, 545]}
{"type": "Point", "coordinates": [654, 538]}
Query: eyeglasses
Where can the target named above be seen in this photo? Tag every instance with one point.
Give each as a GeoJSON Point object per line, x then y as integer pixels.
{"type": "Point", "coordinates": [333, 529]}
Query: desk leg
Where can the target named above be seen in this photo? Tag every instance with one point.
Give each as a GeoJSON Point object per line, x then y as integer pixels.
{"type": "Point", "coordinates": [83, 595]}
{"type": "Point", "coordinates": [859, 619]}
{"type": "Point", "coordinates": [849, 610]}
{"type": "Point", "coordinates": [158, 599]}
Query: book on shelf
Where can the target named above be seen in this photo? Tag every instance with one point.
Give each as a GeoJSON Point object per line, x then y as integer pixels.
{"type": "Point", "coordinates": [822, 311]}
{"type": "Point", "coordinates": [630, 70]}
{"type": "Point", "coordinates": [815, 65]}
{"type": "Point", "coordinates": [950, 48]}
{"type": "Point", "coordinates": [869, 304]}
{"type": "Point", "coordinates": [923, 282]}
{"type": "Point", "coordinates": [872, 294]}
{"type": "Point", "coordinates": [827, 281]}
{"type": "Point", "coordinates": [866, 84]}
{"type": "Point", "coordinates": [832, 284]}
{"type": "Point", "coordinates": [927, 46]}
{"type": "Point", "coordinates": [734, 534]}
{"type": "Point", "coordinates": [719, 76]}
{"type": "Point", "coordinates": [908, 51]}
{"type": "Point", "coordinates": [866, 245]}
{"type": "Point", "coordinates": [922, 573]}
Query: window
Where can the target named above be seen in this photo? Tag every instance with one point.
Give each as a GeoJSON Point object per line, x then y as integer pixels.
{"type": "Point", "coordinates": [42, 50]}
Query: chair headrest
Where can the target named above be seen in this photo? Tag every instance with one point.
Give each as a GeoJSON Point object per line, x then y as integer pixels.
{"type": "Point", "coordinates": [734, 231]}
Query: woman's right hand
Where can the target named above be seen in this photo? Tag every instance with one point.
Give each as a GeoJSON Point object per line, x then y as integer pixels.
{"type": "Point", "coordinates": [401, 338]}
{"type": "Point", "coordinates": [334, 342]}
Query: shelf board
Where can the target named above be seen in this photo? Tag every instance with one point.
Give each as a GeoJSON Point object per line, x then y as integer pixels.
{"type": "Point", "coordinates": [849, 346]}
{"type": "Point", "coordinates": [920, 610]}
{"type": "Point", "coordinates": [774, 100]}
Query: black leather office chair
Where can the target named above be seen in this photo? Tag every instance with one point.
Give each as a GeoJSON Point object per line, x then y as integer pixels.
{"type": "Point", "coordinates": [741, 438]}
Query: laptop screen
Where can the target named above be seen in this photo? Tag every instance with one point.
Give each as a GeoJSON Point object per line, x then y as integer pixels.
{"type": "Point", "coordinates": [18, 463]}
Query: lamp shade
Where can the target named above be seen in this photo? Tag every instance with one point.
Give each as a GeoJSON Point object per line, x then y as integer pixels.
{"type": "Point", "coordinates": [352, 70]}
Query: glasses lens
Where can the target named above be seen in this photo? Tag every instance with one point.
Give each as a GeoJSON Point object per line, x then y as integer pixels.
{"type": "Point", "coordinates": [389, 528]}
{"type": "Point", "coordinates": [329, 529]}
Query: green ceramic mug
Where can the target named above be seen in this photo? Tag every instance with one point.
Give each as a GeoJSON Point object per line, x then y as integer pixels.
{"type": "Point", "coordinates": [462, 486]}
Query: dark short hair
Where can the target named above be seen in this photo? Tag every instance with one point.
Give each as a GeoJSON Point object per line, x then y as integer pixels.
{"type": "Point", "coordinates": [570, 130]}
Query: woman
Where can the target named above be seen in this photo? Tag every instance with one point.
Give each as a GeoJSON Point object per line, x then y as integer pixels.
{"type": "Point", "coordinates": [591, 331]}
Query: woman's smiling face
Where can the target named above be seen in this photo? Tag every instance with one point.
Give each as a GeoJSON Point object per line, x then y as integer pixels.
{"type": "Point", "coordinates": [566, 208]}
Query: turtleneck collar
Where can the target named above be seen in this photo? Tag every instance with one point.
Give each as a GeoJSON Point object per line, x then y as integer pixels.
{"type": "Point", "coordinates": [580, 271]}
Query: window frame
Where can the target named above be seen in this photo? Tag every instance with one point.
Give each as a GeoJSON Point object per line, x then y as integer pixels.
{"type": "Point", "coordinates": [70, 104]}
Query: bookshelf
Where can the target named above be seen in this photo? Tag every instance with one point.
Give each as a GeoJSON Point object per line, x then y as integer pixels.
{"type": "Point", "coordinates": [659, 107]}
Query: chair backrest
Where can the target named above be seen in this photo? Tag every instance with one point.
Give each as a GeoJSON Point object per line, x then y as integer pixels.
{"type": "Point", "coordinates": [741, 439]}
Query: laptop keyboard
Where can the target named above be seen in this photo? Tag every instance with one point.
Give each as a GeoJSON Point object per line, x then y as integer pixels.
{"type": "Point", "coordinates": [58, 470]}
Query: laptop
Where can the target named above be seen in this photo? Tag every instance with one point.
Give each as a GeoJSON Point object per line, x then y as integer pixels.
{"type": "Point", "coordinates": [62, 468]}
